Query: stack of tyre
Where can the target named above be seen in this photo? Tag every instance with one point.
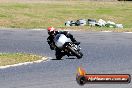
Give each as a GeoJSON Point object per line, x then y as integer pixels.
{"type": "Point", "coordinates": [80, 22]}
{"type": "Point", "coordinates": [92, 22]}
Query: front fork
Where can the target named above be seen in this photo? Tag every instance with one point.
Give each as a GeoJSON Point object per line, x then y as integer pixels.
{"type": "Point", "coordinates": [75, 47]}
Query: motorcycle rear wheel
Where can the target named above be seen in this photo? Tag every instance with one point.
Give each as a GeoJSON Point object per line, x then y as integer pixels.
{"type": "Point", "coordinates": [58, 57]}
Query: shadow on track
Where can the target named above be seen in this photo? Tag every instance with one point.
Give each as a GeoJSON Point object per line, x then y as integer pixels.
{"type": "Point", "coordinates": [56, 59]}
{"type": "Point", "coordinates": [63, 59]}
{"type": "Point", "coordinates": [71, 58]}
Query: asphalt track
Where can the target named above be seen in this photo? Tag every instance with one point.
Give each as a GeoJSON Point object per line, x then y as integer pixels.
{"type": "Point", "coordinates": [103, 53]}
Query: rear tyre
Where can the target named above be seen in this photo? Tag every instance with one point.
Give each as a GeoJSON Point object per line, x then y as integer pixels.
{"type": "Point", "coordinates": [58, 57]}
{"type": "Point", "coordinates": [59, 54]}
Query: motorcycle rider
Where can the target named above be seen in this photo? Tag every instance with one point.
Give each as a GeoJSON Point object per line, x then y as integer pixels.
{"type": "Point", "coordinates": [52, 33]}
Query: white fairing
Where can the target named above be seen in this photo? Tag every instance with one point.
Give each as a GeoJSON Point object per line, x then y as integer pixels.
{"type": "Point", "coordinates": [60, 40]}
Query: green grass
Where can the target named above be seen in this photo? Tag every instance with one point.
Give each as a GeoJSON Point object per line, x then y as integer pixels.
{"type": "Point", "coordinates": [55, 13]}
{"type": "Point", "coordinates": [9, 59]}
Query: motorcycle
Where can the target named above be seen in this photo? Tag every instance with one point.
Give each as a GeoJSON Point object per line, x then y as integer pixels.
{"type": "Point", "coordinates": [67, 46]}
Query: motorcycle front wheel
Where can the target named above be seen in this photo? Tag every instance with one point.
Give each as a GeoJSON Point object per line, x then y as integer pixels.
{"type": "Point", "coordinates": [76, 53]}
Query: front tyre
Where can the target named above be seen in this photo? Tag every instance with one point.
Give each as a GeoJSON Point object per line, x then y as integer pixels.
{"type": "Point", "coordinates": [80, 55]}
{"type": "Point", "coordinates": [76, 53]}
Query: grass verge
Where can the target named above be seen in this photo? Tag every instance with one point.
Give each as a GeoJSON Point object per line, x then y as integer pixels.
{"type": "Point", "coordinates": [10, 59]}
{"type": "Point", "coordinates": [55, 13]}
